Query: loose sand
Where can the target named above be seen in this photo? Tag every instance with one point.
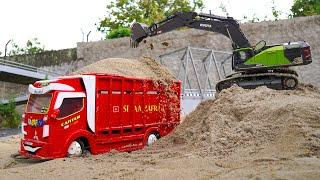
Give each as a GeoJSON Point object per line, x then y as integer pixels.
{"type": "Point", "coordinates": [139, 68]}
{"type": "Point", "coordinates": [242, 134]}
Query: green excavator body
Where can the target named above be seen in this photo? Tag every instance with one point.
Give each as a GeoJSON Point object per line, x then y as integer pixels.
{"type": "Point", "coordinates": [268, 57]}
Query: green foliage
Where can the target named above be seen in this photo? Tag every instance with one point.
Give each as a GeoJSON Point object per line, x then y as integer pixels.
{"type": "Point", "coordinates": [276, 13]}
{"type": "Point", "coordinates": [121, 13]}
{"type": "Point", "coordinates": [119, 32]}
{"type": "Point", "coordinates": [305, 8]}
{"type": "Point", "coordinates": [11, 117]}
{"type": "Point", "coordinates": [32, 46]}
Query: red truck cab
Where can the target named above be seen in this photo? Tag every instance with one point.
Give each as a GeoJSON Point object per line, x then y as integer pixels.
{"type": "Point", "coordinates": [97, 112]}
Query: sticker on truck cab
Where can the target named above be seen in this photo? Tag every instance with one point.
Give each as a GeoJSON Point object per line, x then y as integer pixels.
{"type": "Point", "coordinates": [35, 122]}
{"type": "Point", "coordinates": [71, 120]}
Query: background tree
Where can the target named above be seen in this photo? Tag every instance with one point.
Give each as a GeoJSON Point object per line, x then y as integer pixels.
{"type": "Point", "coordinates": [305, 8]}
{"type": "Point", "coordinates": [32, 46]}
{"type": "Point", "coordinates": [9, 115]}
{"type": "Point", "coordinates": [121, 13]}
{"type": "Point", "coordinates": [276, 13]}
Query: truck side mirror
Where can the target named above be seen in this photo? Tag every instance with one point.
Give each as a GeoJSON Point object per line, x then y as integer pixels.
{"type": "Point", "coordinates": [55, 113]}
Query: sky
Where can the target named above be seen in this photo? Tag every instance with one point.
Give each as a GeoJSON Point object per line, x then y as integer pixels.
{"type": "Point", "coordinates": [60, 24]}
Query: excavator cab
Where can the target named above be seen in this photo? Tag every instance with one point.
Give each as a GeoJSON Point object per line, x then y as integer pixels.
{"type": "Point", "coordinates": [259, 46]}
{"type": "Point", "coordinates": [240, 56]}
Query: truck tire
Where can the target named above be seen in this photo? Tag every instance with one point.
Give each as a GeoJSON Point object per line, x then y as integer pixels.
{"type": "Point", "coordinates": [76, 148]}
{"type": "Point", "coordinates": [152, 138]}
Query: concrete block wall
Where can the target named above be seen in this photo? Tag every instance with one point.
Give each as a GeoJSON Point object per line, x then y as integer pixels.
{"type": "Point", "coordinates": [47, 58]}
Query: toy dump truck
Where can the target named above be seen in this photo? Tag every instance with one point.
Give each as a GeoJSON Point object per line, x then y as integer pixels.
{"type": "Point", "coordinates": [97, 113]}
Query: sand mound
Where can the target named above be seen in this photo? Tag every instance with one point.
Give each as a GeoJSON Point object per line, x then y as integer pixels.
{"type": "Point", "coordinates": [243, 134]}
{"type": "Point", "coordinates": [140, 68]}
{"type": "Point", "coordinates": [251, 120]}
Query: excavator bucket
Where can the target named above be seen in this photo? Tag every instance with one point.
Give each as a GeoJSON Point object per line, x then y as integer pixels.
{"type": "Point", "coordinates": [138, 33]}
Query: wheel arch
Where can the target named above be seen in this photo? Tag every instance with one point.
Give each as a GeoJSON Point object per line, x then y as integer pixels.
{"type": "Point", "coordinates": [152, 130]}
{"type": "Point", "coordinates": [84, 136]}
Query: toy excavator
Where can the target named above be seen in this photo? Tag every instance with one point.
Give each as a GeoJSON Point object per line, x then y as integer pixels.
{"type": "Point", "coordinates": [254, 66]}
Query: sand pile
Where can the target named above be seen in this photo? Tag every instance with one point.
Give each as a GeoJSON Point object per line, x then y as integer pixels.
{"type": "Point", "coordinates": [247, 121]}
{"type": "Point", "coordinates": [140, 68]}
{"type": "Point", "coordinates": [243, 134]}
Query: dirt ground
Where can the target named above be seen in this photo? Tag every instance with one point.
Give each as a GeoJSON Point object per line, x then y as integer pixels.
{"type": "Point", "coordinates": [242, 134]}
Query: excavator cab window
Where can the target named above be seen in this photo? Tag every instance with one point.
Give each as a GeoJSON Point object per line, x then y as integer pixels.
{"type": "Point", "coordinates": [259, 46]}
{"type": "Point", "coordinates": [241, 55]}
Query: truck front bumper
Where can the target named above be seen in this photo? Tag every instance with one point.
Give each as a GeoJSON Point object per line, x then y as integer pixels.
{"type": "Point", "coordinates": [37, 150]}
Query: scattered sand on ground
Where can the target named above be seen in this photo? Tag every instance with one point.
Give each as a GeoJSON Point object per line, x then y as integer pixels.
{"type": "Point", "coordinates": [242, 134]}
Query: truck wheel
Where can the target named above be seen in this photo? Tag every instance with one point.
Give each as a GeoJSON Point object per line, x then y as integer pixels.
{"type": "Point", "coordinates": [151, 139]}
{"type": "Point", "coordinates": [76, 149]}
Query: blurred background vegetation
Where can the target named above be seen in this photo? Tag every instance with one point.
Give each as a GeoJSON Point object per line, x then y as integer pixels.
{"type": "Point", "coordinates": [9, 116]}
{"type": "Point", "coordinates": [122, 13]}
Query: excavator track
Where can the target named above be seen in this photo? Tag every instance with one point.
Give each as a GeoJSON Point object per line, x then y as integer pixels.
{"type": "Point", "coordinates": [279, 79]}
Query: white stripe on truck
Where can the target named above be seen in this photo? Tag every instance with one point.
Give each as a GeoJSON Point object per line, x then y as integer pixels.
{"type": "Point", "coordinates": [90, 85]}
{"type": "Point", "coordinates": [50, 87]}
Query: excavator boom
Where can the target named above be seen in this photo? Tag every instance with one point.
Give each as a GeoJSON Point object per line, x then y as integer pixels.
{"type": "Point", "coordinates": [224, 25]}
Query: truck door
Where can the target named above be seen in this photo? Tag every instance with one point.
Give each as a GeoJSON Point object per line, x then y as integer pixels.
{"type": "Point", "coordinates": [71, 114]}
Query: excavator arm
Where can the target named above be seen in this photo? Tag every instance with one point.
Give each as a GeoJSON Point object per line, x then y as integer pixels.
{"type": "Point", "coordinates": [224, 25]}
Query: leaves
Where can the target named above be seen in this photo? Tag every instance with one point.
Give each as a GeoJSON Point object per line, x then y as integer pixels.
{"type": "Point", "coordinates": [276, 13]}
{"type": "Point", "coordinates": [305, 8]}
{"type": "Point", "coordinates": [121, 13]}
{"type": "Point", "coordinates": [11, 117]}
{"type": "Point", "coordinates": [118, 33]}
{"type": "Point", "coordinates": [33, 46]}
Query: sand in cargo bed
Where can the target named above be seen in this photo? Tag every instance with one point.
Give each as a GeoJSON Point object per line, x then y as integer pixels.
{"type": "Point", "coordinates": [139, 68]}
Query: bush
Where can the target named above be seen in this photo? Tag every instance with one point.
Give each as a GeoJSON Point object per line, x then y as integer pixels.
{"type": "Point", "coordinates": [118, 33]}
{"type": "Point", "coordinates": [10, 117]}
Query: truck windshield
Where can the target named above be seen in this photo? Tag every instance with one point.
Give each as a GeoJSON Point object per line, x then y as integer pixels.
{"type": "Point", "coordinates": [39, 103]}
